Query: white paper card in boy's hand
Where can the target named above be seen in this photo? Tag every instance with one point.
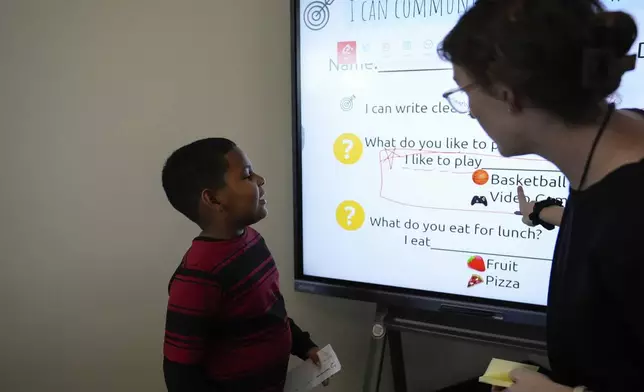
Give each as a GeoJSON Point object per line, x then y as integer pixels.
{"type": "Point", "coordinates": [307, 375]}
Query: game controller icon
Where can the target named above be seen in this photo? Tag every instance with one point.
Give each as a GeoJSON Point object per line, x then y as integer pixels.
{"type": "Point", "coordinates": [479, 200]}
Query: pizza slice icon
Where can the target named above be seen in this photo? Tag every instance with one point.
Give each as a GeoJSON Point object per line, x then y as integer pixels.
{"type": "Point", "coordinates": [474, 280]}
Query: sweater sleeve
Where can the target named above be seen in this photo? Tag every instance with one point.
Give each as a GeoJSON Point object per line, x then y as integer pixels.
{"type": "Point", "coordinates": [302, 342]}
{"type": "Point", "coordinates": [193, 302]}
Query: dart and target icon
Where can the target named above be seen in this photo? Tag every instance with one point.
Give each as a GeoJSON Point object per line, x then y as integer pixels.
{"type": "Point", "coordinates": [346, 103]}
{"type": "Point", "coordinates": [316, 14]}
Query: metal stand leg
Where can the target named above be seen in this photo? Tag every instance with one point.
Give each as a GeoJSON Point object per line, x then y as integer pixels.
{"type": "Point", "coordinates": [388, 327]}
{"type": "Point", "coordinates": [376, 353]}
{"type": "Point", "coordinates": [397, 360]}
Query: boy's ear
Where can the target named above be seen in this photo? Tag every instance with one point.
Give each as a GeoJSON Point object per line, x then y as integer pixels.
{"type": "Point", "coordinates": [211, 198]}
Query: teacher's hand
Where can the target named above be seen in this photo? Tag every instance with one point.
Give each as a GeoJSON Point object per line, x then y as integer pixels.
{"type": "Point", "coordinates": [530, 381]}
{"type": "Point", "coordinates": [525, 207]}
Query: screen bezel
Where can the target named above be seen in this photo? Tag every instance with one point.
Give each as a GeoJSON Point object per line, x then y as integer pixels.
{"type": "Point", "coordinates": [507, 311]}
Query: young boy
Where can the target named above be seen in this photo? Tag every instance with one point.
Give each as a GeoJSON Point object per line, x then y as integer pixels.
{"type": "Point", "coordinates": [226, 324]}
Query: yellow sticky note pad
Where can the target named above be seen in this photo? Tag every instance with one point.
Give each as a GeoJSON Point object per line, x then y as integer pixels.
{"type": "Point", "coordinates": [498, 372]}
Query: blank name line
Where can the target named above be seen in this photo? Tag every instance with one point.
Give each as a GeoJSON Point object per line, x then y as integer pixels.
{"type": "Point", "coordinates": [490, 254]}
{"type": "Point", "coordinates": [414, 70]}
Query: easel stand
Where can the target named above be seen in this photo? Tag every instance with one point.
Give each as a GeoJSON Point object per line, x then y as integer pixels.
{"type": "Point", "coordinates": [390, 323]}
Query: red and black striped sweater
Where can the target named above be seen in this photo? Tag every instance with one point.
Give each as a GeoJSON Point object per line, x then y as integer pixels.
{"type": "Point", "coordinates": [226, 326]}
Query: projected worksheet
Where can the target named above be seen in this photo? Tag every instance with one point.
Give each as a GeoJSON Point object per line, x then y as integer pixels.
{"type": "Point", "coordinates": [399, 189]}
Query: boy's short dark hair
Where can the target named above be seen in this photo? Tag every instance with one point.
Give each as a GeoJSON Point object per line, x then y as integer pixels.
{"type": "Point", "coordinates": [191, 169]}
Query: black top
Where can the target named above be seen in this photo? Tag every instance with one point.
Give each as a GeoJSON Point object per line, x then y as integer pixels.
{"type": "Point", "coordinates": [596, 296]}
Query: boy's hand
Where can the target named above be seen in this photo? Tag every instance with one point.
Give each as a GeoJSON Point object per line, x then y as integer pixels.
{"type": "Point", "coordinates": [313, 356]}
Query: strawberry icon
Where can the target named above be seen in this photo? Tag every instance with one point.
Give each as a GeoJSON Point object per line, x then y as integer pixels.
{"type": "Point", "coordinates": [476, 263]}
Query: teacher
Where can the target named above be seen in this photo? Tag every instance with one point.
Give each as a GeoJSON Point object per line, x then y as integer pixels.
{"type": "Point", "coordinates": [537, 75]}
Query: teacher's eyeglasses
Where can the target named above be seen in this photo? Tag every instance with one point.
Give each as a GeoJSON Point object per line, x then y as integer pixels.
{"type": "Point", "coordinates": [458, 99]}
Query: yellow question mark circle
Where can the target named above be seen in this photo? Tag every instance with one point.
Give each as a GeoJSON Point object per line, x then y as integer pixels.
{"type": "Point", "coordinates": [350, 215]}
{"type": "Point", "coordinates": [347, 148]}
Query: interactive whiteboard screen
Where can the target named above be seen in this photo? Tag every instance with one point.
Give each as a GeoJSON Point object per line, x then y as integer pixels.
{"type": "Point", "coordinates": [398, 189]}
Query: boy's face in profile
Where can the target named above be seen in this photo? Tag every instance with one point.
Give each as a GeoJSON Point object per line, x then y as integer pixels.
{"type": "Point", "coordinates": [242, 199]}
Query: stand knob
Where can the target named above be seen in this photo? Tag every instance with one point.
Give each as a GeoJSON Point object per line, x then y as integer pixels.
{"type": "Point", "coordinates": [378, 331]}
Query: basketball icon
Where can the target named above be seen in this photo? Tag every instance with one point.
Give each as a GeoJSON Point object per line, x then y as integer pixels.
{"type": "Point", "coordinates": [480, 177]}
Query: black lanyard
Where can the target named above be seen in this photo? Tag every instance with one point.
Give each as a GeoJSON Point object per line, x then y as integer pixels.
{"type": "Point", "coordinates": [566, 236]}
{"type": "Point", "coordinates": [609, 114]}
